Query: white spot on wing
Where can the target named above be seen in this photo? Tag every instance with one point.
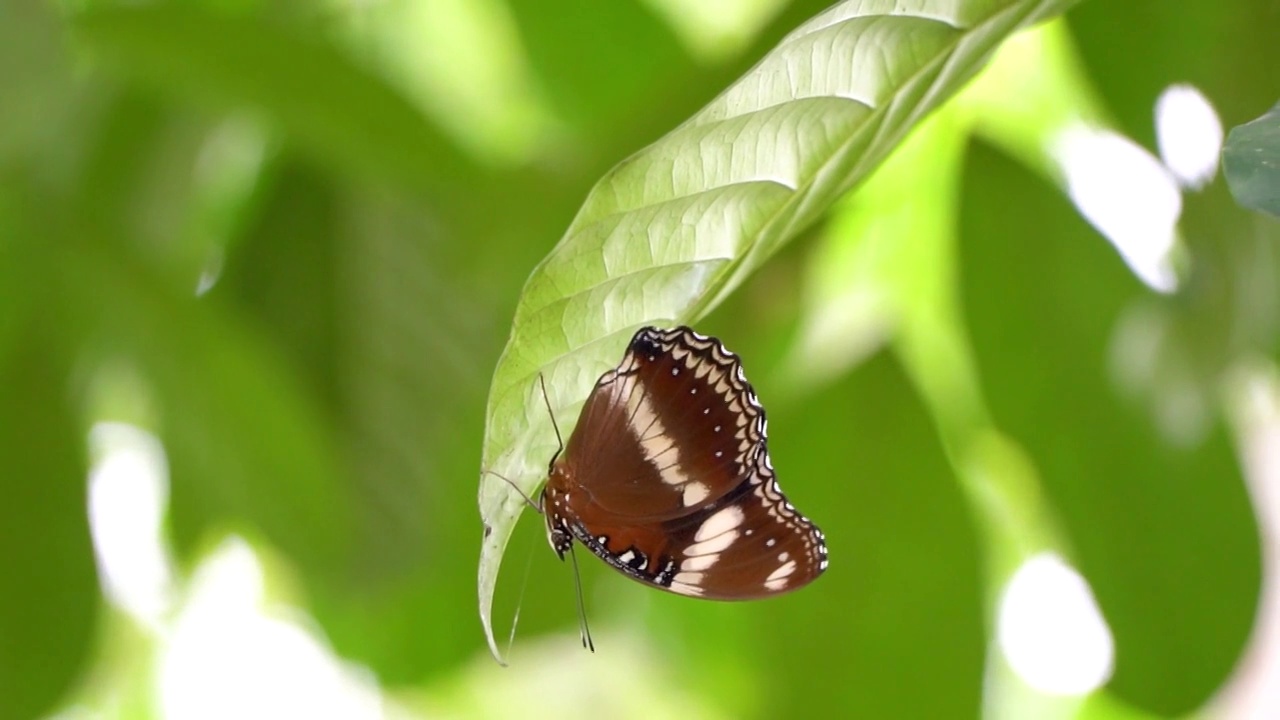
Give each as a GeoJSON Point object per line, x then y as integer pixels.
{"type": "Point", "coordinates": [655, 444]}
{"type": "Point", "coordinates": [699, 562]}
{"type": "Point", "coordinates": [778, 578]}
{"type": "Point", "coordinates": [716, 532]}
{"type": "Point", "coordinates": [694, 493]}
{"type": "Point", "coordinates": [712, 546]}
{"type": "Point", "coordinates": [687, 578]}
{"type": "Point", "coordinates": [685, 588]}
{"type": "Point", "coordinates": [723, 521]}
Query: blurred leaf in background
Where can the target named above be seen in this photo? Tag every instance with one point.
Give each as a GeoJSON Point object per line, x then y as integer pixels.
{"type": "Point", "coordinates": [1251, 162]}
{"type": "Point", "coordinates": [49, 611]}
{"type": "Point", "coordinates": [258, 263]}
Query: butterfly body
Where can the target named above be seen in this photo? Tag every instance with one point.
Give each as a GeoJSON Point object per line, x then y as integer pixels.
{"type": "Point", "coordinates": [667, 477]}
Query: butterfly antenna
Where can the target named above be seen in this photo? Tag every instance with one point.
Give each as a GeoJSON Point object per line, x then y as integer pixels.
{"type": "Point", "coordinates": [515, 619]}
{"type": "Point", "coordinates": [536, 507]}
{"type": "Point", "coordinates": [546, 399]}
{"type": "Point", "coordinates": [583, 629]}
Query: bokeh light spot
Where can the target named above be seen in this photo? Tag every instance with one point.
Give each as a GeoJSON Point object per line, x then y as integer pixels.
{"type": "Point", "coordinates": [1124, 192]}
{"type": "Point", "coordinates": [1051, 631]}
{"type": "Point", "coordinates": [1189, 134]}
{"type": "Point", "coordinates": [128, 494]}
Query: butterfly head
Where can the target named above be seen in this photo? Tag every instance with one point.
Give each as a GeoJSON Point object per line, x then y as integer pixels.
{"type": "Point", "coordinates": [558, 535]}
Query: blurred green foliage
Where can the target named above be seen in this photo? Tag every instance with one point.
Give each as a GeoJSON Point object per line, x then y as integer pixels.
{"type": "Point", "coordinates": [290, 240]}
{"type": "Point", "coordinates": [1251, 162]}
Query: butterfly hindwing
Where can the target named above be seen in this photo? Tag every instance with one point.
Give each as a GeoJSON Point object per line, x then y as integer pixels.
{"type": "Point", "coordinates": [751, 544]}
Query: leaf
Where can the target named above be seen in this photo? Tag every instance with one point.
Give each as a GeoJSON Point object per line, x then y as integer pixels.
{"type": "Point", "coordinates": [244, 440]}
{"type": "Point", "coordinates": [1178, 43]}
{"type": "Point", "coordinates": [330, 106]}
{"type": "Point", "coordinates": [1251, 162]}
{"type": "Point", "coordinates": [49, 607]}
{"type": "Point", "coordinates": [48, 610]}
{"type": "Point", "coordinates": [382, 326]}
{"type": "Point", "coordinates": [665, 235]}
{"type": "Point", "coordinates": [863, 459]}
{"type": "Point", "coordinates": [1161, 529]}
{"type": "Point", "coordinates": [35, 69]}
{"type": "Point", "coordinates": [284, 273]}
{"type": "Point", "coordinates": [15, 263]}
{"type": "Point", "coordinates": [592, 58]}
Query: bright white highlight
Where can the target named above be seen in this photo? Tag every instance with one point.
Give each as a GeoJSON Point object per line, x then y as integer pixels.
{"type": "Point", "coordinates": [1124, 192]}
{"type": "Point", "coordinates": [1189, 134]}
{"type": "Point", "coordinates": [128, 494]}
{"type": "Point", "coordinates": [228, 658]}
{"type": "Point", "coordinates": [1051, 631]}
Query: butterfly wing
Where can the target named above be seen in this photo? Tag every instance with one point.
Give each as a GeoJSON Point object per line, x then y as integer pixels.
{"type": "Point", "coordinates": [674, 427]}
{"type": "Point", "coordinates": [750, 544]}
{"type": "Point", "coordinates": [667, 477]}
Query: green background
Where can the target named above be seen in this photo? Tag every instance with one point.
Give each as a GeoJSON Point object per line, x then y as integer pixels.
{"type": "Point", "coordinates": [369, 185]}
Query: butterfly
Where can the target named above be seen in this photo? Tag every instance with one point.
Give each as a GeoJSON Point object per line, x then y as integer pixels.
{"type": "Point", "coordinates": [667, 477]}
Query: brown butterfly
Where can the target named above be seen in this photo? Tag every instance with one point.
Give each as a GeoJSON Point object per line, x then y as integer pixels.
{"type": "Point", "coordinates": [667, 477]}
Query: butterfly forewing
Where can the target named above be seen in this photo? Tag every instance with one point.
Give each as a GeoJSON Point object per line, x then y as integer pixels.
{"type": "Point", "coordinates": [667, 477]}
{"type": "Point", "coordinates": [675, 426]}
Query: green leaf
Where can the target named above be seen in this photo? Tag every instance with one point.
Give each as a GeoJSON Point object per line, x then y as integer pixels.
{"type": "Point", "coordinates": [593, 58]}
{"type": "Point", "coordinates": [35, 69]}
{"type": "Point", "coordinates": [15, 263]}
{"type": "Point", "coordinates": [382, 326]}
{"type": "Point", "coordinates": [1163, 529]}
{"type": "Point", "coordinates": [900, 610]}
{"type": "Point", "coordinates": [669, 232]}
{"type": "Point", "coordinates": [336, 110]}
{"type": "Point", "coordinates": [1179, 43]}
{"type": "Point", "coordinates": [49, 607]}
{"type": "Point", "coordinates": [285, 273]}
{"type": "Point", "coordinates": [1251, 162]}
{"type": "Point", "coordinates": [244, 440]}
